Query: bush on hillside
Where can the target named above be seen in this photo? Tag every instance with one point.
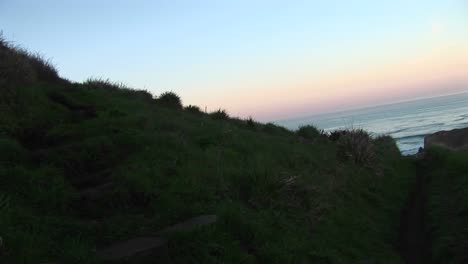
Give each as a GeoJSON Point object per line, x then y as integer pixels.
{"type": "Point", "coordinates": [170, 99]}
{"type": "Point", "coordinates": [273, 129]}
{"type": "Point", "coordinates": [386, 144]}
{"type": "Point", "coordinates": [193, 109]}
{"type": "Point", "coordinates": [309, 132]}
{"type": "Point", "coordinates": [219, 114]}
{"type": "Point", "coordinates": [336, 135]}
{"type": "Point", "coordinates": [142, 94]}
{"type": "Point", "coordinates": [357, 146]}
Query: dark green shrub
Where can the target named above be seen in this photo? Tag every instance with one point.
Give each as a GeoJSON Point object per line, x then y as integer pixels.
{"type": "Point", "coordinates": [141, 94]}
{"type": "Point", "coordinates": [273, 129]}
{"type": "Point", "coordinates": [336, 134]}
{"type": "Point", "coordinates": [193, 109]}
{"type": "Point", "coordinates": [170, 99]}
{"type": "Point", "coordinates": [356, 145]}
{"type": "Point", "coordinates": [386, 145]}
{"type": "Point", "coordinates": [219, 114]}
{"type": "Point", "coordinates": [309, 132]}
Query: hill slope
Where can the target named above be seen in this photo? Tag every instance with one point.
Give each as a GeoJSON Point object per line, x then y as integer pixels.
{"type": "Point", "coordinates": [84, 165]}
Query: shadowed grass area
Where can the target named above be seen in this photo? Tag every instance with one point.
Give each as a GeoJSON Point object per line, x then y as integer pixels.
{"type": "Point", "coordinates": [86, 164]}
{"type": "Point", "coordinates": [448, 205]}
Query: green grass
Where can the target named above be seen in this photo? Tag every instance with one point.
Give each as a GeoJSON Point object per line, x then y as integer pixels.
{"type": "Point", "coordinates": [292, 201]}
{"type": "Point", "coordinates": [279, 198]}
{"type": "Point", "coordinates": [448, 205]}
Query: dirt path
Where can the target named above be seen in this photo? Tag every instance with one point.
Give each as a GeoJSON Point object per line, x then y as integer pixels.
{"type": "Point", "coordinates": [414, 239]}
{"type": "Point", "coordinates": [150, 246]}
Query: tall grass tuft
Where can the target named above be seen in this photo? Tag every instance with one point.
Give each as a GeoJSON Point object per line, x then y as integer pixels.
{"type": "Point", "coordinates": [106, 84]}
{"type": "Point", "coordinates": [251, 123]}
{"type": "Point", "coordinates": [19, 66]}
{"type": "Point", "coordinates": [356, 145]}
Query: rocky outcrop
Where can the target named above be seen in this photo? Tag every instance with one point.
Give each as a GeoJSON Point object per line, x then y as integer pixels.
{"type": "Point", "coordinates": [456, 139]}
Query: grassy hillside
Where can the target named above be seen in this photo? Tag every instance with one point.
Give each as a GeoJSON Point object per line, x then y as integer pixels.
{"type": "Point", "coordinates": [448, 205]}
{"type": "Point", "coordinates": [83, 165]}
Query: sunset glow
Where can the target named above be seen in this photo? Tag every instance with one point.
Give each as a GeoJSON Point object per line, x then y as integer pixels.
{"type": "Point", "coordinates": [266, 59]}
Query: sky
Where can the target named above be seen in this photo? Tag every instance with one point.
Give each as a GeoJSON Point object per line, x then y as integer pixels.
{"type": "Point", "coordinates": [267, 59]}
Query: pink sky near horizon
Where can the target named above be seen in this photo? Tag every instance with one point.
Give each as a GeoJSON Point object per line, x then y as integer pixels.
{"type": "Point", "coordinates": [430, 63]}
{"type": "Point", "coordinates": [435, 73]}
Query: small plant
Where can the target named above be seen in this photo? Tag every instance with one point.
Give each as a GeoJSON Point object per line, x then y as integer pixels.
{"type": "Point", "coordinates": [251, 123]}
{"type": "Point", "coordinates": [170, 99]}
{"type": "Point", "coordinates": [219, 114]}
{"type": "Point", "coordinates": [356, 145]}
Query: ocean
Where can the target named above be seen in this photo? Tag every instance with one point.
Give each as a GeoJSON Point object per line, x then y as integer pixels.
{"type": "Point", "coordinates": [407, 122]}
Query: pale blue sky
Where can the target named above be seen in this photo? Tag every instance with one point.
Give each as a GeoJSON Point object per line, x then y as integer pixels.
{"type": "Point", "coordinates": [216, 53]}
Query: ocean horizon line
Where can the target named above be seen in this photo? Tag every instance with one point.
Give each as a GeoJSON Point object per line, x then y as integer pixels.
{"type": "Point", "coordinates": [363, 108]}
